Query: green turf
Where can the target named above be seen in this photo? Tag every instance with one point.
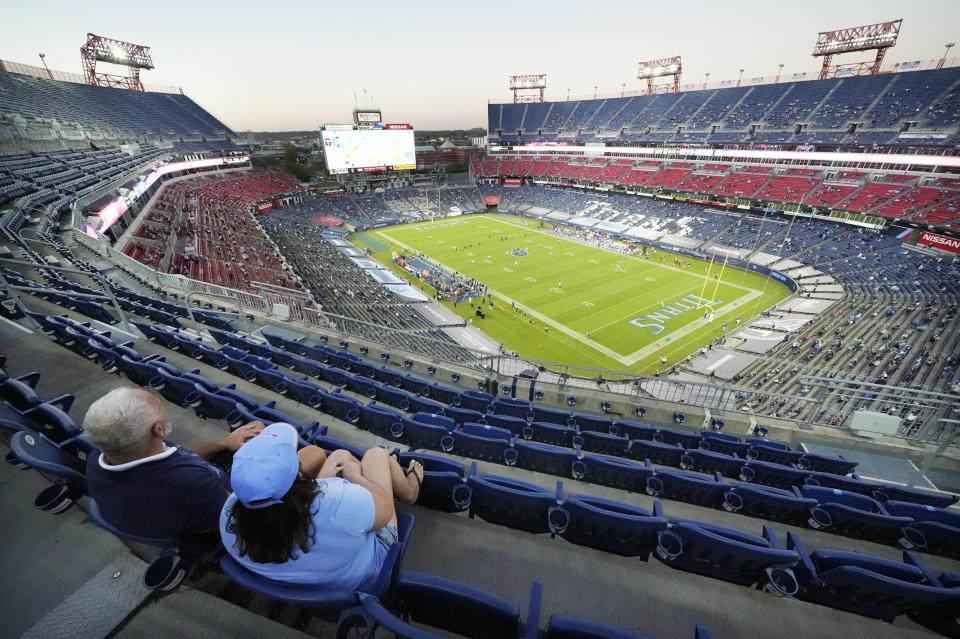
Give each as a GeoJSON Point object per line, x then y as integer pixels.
{"type": "Point", "coordinates": [587, 323]}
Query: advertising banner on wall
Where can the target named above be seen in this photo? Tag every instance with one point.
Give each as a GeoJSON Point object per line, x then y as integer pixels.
{"type": "Point", "coordinates": [941, 242]}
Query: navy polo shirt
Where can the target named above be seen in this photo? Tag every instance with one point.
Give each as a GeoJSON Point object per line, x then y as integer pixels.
{"type": "Point", "coordinates": [175, 493]}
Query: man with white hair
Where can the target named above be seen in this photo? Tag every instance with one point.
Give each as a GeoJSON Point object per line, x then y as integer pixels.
{"type": "Point", "coordinates": [145, 486]}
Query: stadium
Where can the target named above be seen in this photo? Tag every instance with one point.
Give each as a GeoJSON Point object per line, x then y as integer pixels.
{"type": "Point", "coordinates": [677, 362]}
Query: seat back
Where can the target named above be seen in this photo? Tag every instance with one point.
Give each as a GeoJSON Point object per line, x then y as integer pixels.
{"type": "Point", "coordinates": [39, 452]}
{"type": "Point", "coordinates": [512, 503]}
{"type": "Point", "coordinates": [612, 526]}
{"type": "Point", "coordinates": [325, 603]}
{"type": "Point", "coordinates": [616, 472]}
{"type": "Point", "coordinates": [545, 458]}
{"type": "Point", "coordinates": [603, 442]}
{"type": "Point", "coordinates": [689, 487]}
{"type": "Point", "coordinates": [657, 452]}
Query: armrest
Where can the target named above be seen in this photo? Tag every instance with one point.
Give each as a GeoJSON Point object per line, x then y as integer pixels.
{"type": "Point", "coordinates": [63, 402]}
{"type": "Point", "coordinates": [531, 623]}
{"type": "Point", "coordinates": [472, 472]}
{"type": "Point", "coordinates": [559, 493]}
{"type": "Point", "coordinates": [913, 559]}
{"type": "Point", "coordinates": [657, 508]}
{"type": "Point", "coordinates": [805, 566]}
{"type": "Point", "coordinates": [771, 537]}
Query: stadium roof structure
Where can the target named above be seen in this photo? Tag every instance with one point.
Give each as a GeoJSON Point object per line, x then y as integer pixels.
{"type": "Point", "coordinates": [100, 49]}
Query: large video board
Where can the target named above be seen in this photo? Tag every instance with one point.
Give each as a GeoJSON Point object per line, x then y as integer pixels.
{"type": "Point", "coordinates": [368, 150]}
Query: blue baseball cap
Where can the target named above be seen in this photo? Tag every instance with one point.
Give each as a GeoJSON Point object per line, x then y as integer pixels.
{"type": "Point", "coordinates": [266, 466]}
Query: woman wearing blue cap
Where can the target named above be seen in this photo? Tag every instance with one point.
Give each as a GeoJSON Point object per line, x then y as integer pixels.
{"type": "Point", "coordinates": [312, 519]}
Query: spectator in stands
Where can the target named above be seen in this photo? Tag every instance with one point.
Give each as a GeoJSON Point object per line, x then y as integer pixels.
{"type": "Point", "coordinates": [327, 524]}
{"type": "Point", "coordinates": [145, 486]}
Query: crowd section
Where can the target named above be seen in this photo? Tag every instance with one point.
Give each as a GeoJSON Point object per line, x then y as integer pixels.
{"type": "Point", "coordinates": [893, 195]}
{"type": "Point", "coordinates": [916, 107]}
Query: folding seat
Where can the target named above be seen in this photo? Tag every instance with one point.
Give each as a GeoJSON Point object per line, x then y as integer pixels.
{"type": "Point", "coordinates": [415, 385]}
{"type": "Point", "coordinates": [103, 355]}
{"type": "Point", "coordinates": [444, 485]}
{"type": "Point", "coordinates": [512, 407]}
{"type": "Point", "coordinates": [382, 421]}
{"type": "Point", "coordinates": [444, 394]}
{"type": "Point", "coordinates": [516, 504]}
{"type": "Point", "coordinates": [361, 385]}
{"type": "Point", "coordinates": [365, 369]}
{"type": "Point", "coordinates": [689, 487]}
{"type": "Point", "coordinates": [273, 379]}
{"type": "Point", "coordinates": [334, 376]}
{"type": "Point", "coordinates": [318, 352]}
{"type": "Point", "coordinates": [592, 423]}
{"type": "Point", "coordinates": [342, 407]}
{"type": "Point", "coordinates": [633, 430]}
{"type": "Point", "coordinates": [723, 443]}
{"type": "Point", "coordinates": [855, 515]}
{"type": "Point", "coordinates": [75, 340]}
{"type": "Point", "coordinates": [306, 392]}
{"type": "Point", "coordinates": [766, 502]}
{"type": "Point", "coordinates": [552, 415]}
{"type": "Point", "coordinates": [616, 472]}
{"type": "Point", "coordinates": [730, 555]}
{"type": "Point", "coordinates": [270, 415]}
{"type": "Point", "coordinates": [142, 373]}
{"type": "Point", "coordinates": [677, 438]}
{"type": "Point", "coordinates": [838, 465]}
{"type": "Point", "coordinates": [306, 366]}
{"type": "Point", "coordinates": [885, 492]}
{"type": "Point", "coordinates": [476, 400]}
{"type": "Point", "coordinates": [706, 461]}
{"type": "Point", "coordinates": [612, 526]}
{"type": "Point", "coordinates": [937, 528]}
{"type": "Point", "coordinates": [775, 475]}
{"type": "Point", "coordinates": [393, 397]}
{"type": "Point", "coordinates": [426, 430]}
{"type": "Point", "coordinates": [18, 391]}
{"type": "Point", "coordinates": [53, 422]}
{"type": "Point", "coordinates": [322, 602]}
{"type": "Point", "coordinates": [241, 368]}
{"type": "Point", "coordinates": [601, 442]}
{"type": "Point", "coordinates": [552, 460]}
{"type": "Point", "coordinates": [422, 405]}
{"type": "Point", "coordinates": [437, 603]}
{"type": "Point", "coordinates": [464, 415]}
{"type": "Point", "coordinates": [514, 424]}
{"type": "Point", "coordinates": [486, 443]}
{"type": "Point", "coordinates": [656, 452]}
{"type": "Point", "coordinates": [852, 484]}
{"type": "Point", "coordinates": [553, 434]}
{"type": "Point", "coordinates": [275, 355]}
{"type": "Point", "coordinates": [774, 455]}
{"type": "Point", "coordinates": [36, 450]}
{"type": "Point", "coordinates": [871, 586]}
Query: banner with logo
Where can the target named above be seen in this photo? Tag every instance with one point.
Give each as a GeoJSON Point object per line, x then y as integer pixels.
{"type": "Point", "coordinates": [941, 242]}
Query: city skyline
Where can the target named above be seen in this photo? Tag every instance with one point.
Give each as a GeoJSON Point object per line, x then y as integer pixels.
{"type": "Point", "coordinates": [295, 65]}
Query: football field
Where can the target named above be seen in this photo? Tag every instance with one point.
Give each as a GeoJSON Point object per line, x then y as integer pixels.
{"type": "Point", "coordinates": [562, 300]}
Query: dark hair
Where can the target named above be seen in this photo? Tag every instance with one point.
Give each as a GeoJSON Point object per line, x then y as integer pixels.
{"type": "Point", "coordinates": [269, 535]}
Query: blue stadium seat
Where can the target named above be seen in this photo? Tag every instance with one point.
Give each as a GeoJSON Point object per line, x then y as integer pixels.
{"type": "Point", "coordinates": [774, 475]}
{"type": "Point", "coordinates": [514, 424]}
{"type": "Point", "coordinates": [435, 602]}
{"type": "Point", "coordinates": [766, 502]}
{"type": "Point", "coordinates": [444, 485]}
{"type": "Point", "coordinates": [549, 433]}
{"type": "Point", "coordinates": [616, 472]}
{"type": "Point", "coordinates": [871, 586]}
{"type": "Point", "coordinates": [321, 602]}
{"type": "Point", "coordinates": [707, 461]}
{"type": "Point", "coordinates": [633, 430]}
{"type": "Point", "coordinates": [826, 464]}
{"type": "Point", "coordinates": [306, 392]}
{"type": "Point", "coordinates": [690, 487]}
{"type": "Point", "coordinates": [42, 453]}
{"type": "Point", "coordinates": [677, 438]}
{"type": "Point", "coordinates": [426, 430]}
{"type": "Point", "coordinates": [463, 415]}
{"type": "Point", "coordinates": [935, 530]}
{"type": "Point", "coordinates": [445, 395]}
{"type": "Point", "coordinates": [516, 504]}
{"type": "Point", "coordinates": [612, 526]}
{"type": "Point", "coordinates": [552, 415]}
{"type": "Point", "coordinates": [729, 554]}
{"type": "Point", "coordinates": [601, 442]}
{"type": "Point", "coordinates": [423, 405]}
{"type": "Point", "coordinates": [342, 407]}
{"type": "Point", "coordinates": [476, 400]}
{"type": "Point", "coordinates": [593, 423]}
{"type": "Point", "coordinates": [393, 397]}
{"type": "Point", "coordinates": [330, 444]}
{"type": "Point", "coordinates": [512, 407]}
{"type": "Point", "coordinates": [485, 443]}
{"type": "Point", "coordinates": [886, 492]}
{"type": "Point", "coordinates": [854, 515]}
{"type": "Point", "coordinates": [723, 443]}
{"type": "Point", "coordinates": [552, 460]}
{"type": "Point", "coordinates": [656, 452]}
{"type": "Point", "coordinates": [774, 454]}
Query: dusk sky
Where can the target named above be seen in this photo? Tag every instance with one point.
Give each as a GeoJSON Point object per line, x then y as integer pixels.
{"type": "Point", "coordinates": [284, 65]}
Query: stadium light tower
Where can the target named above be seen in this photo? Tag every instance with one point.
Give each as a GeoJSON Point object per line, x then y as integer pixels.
{"type": "Point", "coordinates": [879, 37]}
{"type": "Point", "coordinates": [664, 67]}
{"type": "Point", "coordinates": [528, 88]}
{"type": "Point", "coordinates": [100, 49]}
{"type": "Point", "coordinates": [948, 46]}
